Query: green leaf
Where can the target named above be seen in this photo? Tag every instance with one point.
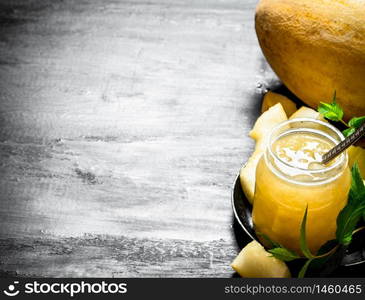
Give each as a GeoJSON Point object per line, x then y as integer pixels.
{"type": "Point", "coordinates": [347, 132]}
{"type": "Point", "coordinates": [348, 226]}
{"type": "Point", "coordinates": [303, 238]}
{"type": "Point", "coordinates": [331, 111]}
{"type": "Point", "coordinates": [351, 214]}
{"type": "Point", "coordinates": [357, 184]}
{"type": "Point", "coordinates": [356, 122]}
{"type": "Point", "coordinates": [284, 254]}
{"type": "Point", "coordinates": [303, 270]}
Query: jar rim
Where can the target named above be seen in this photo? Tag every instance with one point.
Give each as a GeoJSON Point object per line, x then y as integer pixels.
{"type": "Point", "coordinates": [338, 133]}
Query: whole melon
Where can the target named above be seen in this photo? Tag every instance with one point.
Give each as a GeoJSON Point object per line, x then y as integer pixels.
{"type": "Point", "coordinates": [316, 47]}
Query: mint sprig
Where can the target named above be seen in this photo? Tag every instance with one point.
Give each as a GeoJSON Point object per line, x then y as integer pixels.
{"type": "Point", "coordinates": [351, 214]}
{"type": "Point", "coordinates": [333, 112]}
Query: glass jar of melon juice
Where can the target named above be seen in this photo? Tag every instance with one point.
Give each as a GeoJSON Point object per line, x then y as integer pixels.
{"type": "Point", "coordinates": [289, 176]}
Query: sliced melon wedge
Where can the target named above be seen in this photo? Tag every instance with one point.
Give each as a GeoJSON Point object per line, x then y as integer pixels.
{"type": "Point", "coordinates": [271, 98]}
{"type": "Point", "coordinates": [260, 133]}
{"type": "Point", "coordinates": [306, 112]}
{"type": "Point", "coordinates": [255, 262]}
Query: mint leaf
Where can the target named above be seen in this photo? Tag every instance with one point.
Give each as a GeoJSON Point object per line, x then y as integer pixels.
{"type": "Point", "coordinates": [347, 132]}
{"type": "Point", "coordinates": [303, 238]}
{"type": "Point", "coordinates": [331, 111]}
{"type": "Point", "coordinates": [284, 254]}
{"type": "Point", "coordinates": [350, 225]}
{"type": "Point", "coordinates": [351, 214]}
{"type": "Point", "coordinates": [303, 270]}
{"type": "Point", "coordinates": [357, 184]}
{"type": "Point", "coordinates": [356, 122]}
{"type": "Point", "coordinates": [353, 124]}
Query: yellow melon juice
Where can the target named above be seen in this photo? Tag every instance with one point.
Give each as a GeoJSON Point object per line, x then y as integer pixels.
{"type": "Point", "coordinates": [289, 177]}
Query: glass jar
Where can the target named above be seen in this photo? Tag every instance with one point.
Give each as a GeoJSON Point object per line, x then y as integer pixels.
{"type": "Point", "coordinates": [289, 176]}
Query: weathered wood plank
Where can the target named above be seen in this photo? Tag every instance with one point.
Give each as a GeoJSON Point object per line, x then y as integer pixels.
{"type": "Point", "coordinates": [106, 256]}
{"type": "Point", "coordinates": [126, 119]}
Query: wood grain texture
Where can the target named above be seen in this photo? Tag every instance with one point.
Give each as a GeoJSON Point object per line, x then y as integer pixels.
{"type": "Point", "coordinates": [123, 125]}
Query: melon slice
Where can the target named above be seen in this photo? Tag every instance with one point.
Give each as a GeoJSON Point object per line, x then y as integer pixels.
{"type": "Point", "coordinates": [255, 262]}
{"type": "Point", "coordinates": [260, 133]}
{"type": "Point", "coordinates": [271, 98]}
{"type": "Point", "coordinates": [306, 112]}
